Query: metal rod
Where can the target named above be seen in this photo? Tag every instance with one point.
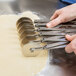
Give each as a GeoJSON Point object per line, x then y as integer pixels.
{"type": "Point", "coordinates": [40, 24]}
{"type": "Point", "coordinates": [57, 47]}
{"type": "Point", "coordinates": [52, 33]}
{"type": "Point", "coordinates": [36, 49]}
{"type": "Point", "coordinates": [48, 46]}
{"type": "Point", "coordinates": [48, 29]}
{"type": "Point", "coordinates": [53, 39]}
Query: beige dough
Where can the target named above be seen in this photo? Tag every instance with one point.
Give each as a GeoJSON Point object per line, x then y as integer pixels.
{"type": "Point", "coordinates": [12, 61]}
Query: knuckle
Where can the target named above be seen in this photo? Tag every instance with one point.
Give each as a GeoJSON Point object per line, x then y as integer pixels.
{"type": "Point", "coordinates": [63, 19]}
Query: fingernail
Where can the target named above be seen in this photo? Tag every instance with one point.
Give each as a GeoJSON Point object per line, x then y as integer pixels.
{"type": "Point", "coordinates": [48, 25]}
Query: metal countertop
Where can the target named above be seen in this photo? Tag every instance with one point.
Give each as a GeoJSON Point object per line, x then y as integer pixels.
{"type": "Point", "coordinates": [41, 7]}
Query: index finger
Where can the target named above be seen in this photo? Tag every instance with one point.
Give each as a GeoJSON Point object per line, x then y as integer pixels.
{"type": "Point", "coordinates": [54, 22]}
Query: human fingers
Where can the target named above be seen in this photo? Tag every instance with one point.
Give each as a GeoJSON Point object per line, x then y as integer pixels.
{"type": "Point", "coordinates": [69, 37]}
{"type": "Point", "coordinates": [71, 47]}
{"type": "Point", "coordinates": [55, 15]}
{"type": "Point", "coordinates": [54, 22]}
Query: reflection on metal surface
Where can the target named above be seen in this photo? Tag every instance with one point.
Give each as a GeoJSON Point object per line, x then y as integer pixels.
{"type": "Point", "coordinates": [37, 6]}
{"type": "Point", "coordinates": [7, 0]}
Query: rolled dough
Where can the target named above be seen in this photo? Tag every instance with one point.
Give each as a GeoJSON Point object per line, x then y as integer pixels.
{"type": "Point", "coordinates": [12, 61]}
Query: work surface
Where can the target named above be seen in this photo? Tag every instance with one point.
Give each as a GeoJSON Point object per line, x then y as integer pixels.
{"type": "Point", "coordinates": [41, 7]}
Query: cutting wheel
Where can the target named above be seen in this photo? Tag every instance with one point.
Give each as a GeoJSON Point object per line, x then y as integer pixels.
{"type": "Point", "coordinates": [25, 27]}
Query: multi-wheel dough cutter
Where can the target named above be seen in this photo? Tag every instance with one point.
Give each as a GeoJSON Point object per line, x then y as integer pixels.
{"type": "Point", "coordinates": [42, 38]}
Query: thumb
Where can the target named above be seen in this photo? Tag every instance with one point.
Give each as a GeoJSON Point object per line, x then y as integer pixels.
{"type": "Point", "coordinates": [70, 38]}
{"type": "Point", "coordinates": [54, 22]}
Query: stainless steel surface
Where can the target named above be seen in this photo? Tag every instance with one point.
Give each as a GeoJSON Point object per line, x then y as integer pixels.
{"type": "Point", "coordinates": [41, 7]}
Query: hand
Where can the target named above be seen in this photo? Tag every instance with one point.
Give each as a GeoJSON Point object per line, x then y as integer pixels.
{"type": "Point", "coordinates": [71, 47]}
{"type": "Point", "coordinates": [63, 15]}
